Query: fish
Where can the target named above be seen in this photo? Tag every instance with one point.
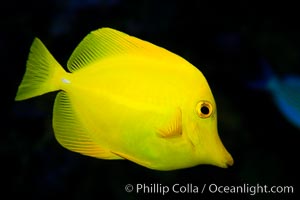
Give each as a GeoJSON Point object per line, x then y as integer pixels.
{"type": "Point", "coordinates": [284, 90]}
{"type": "Point", "coordinates": [126, 98]}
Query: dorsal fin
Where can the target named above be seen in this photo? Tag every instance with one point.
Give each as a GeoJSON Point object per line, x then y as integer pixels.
{"type": "Point", "coordinates": [106, 42]}
{"type": "Point", "coordinates": [71, 134]}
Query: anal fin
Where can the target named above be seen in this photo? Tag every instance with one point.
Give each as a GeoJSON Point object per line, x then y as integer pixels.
{"type": "Point", "coordinates": [70, 132]}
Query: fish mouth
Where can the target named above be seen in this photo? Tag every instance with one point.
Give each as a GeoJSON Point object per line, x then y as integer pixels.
{"type": "Point", "coordinates": [223, 159]}
{"type": "Point", "coordinates": [230, 162]}
{"type": "Point", "coordinates": [227, 161]}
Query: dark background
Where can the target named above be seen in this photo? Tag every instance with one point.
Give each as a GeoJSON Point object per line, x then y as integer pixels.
{"type": "Point", "coordinates": [225, 40]}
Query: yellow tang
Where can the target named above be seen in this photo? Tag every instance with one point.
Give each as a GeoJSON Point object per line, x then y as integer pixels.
{"type": "Point", "coordinates": [126, 98]}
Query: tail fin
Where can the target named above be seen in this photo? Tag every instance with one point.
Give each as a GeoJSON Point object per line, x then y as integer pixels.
{"type": "Point", "coordinates": [42, 73]}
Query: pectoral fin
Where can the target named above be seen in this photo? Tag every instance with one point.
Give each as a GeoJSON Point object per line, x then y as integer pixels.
{"type": "Point", "coordinates": [173, 128]}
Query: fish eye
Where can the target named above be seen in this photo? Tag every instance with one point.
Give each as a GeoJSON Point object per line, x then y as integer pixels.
{"type": "Point", "coordinates": [204, 109]}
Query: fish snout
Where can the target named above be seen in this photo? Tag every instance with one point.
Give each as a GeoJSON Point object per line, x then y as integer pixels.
{"type": "Point", "coordinates": [223, 157]}
{"type": "Point", "coordinates": [228, 161]}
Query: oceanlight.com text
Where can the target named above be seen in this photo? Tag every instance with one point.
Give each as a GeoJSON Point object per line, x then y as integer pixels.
{"type": "Point", "coordinates": [250, 189]}
{"type": "Point", "coordinates": [190, 188]}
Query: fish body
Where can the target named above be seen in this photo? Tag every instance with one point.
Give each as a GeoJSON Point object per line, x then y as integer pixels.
{"type": "Point", "coordinates": [125, 98]}
{"type": "Point", "coordinates": [285, 92]}
{"type": "Point", "coordinates": [286, 96]}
